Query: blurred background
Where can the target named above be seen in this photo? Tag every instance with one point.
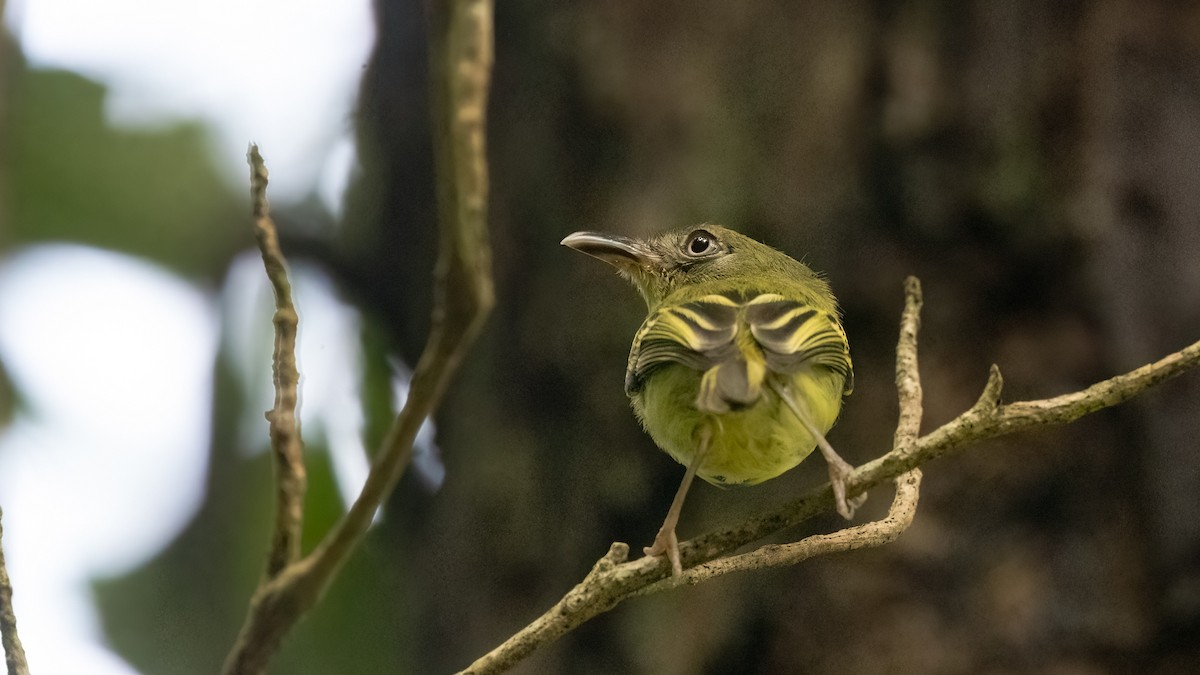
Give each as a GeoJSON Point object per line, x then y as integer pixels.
{"type": "Point", "coordinates": [1035, 164]}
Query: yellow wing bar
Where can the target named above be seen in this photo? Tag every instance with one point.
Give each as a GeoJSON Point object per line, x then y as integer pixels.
{"type": "Point", "coordinates": [713, 331]}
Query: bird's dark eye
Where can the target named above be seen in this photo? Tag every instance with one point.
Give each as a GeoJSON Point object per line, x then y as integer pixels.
{"type": "Point", "coordinates": [700, 243]}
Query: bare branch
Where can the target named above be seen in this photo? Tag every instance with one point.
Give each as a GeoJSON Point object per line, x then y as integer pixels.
{"type": "Point", "coordinates": [612, 581]}
{"type": "Point", "coordinates": [871, 535]}
{"type": "Point", "coordinates": [908, 375]}
{"type": "Point", "coordinates": [461, 42]}
{"type": "Point", "coordinates": [461, 59]}
{"type": "Point", "coordinates": [291, 478]}
{"type": "Point", "coordinates": [14, 654]}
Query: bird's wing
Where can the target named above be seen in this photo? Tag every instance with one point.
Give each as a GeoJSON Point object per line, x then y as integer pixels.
{"type": "Point", "coordinates": [704, 335]}
{"type": "Point", "coordinates": [698, 334]}
{"type": "Point", "coordinates": [794, 335]}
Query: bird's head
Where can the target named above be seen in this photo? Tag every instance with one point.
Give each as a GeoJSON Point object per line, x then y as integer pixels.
{"type": "Point", "coordinates": [659, 265]}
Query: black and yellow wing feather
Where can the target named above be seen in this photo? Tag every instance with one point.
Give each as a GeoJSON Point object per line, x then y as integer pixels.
{"type": "Point", "coordinates": [734, 341]}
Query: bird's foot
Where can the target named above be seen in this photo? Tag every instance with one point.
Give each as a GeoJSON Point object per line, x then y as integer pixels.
{"type": "Point", "coordinates": [666, 542]}
{"type": "Point", "coordinates": [839, 471]}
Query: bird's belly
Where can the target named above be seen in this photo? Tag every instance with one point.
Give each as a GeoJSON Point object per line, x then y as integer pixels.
{"type": "Point", "coordinates": [749, 445]}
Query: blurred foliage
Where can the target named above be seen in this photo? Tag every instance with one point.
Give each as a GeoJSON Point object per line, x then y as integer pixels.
{"type": "Point", "coordinates": [74, 178]}
{"type": "Point", "coordinates": [1033, 163]}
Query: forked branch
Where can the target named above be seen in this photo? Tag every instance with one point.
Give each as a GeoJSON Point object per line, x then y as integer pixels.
{"type": "Point", "coordinates": [613, 579]}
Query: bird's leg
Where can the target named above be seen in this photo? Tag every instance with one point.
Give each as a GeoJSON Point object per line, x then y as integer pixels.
{"type": "Point", "coordinates": [839, 469]}
{"type": "Point", "coordinates": [666, 541]}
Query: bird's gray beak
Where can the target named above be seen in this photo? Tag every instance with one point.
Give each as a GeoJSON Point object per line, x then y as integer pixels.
{"type": "Point", "coordinates": [620, 252]}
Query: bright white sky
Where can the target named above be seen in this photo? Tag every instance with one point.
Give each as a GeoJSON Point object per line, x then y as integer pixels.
{"type": "Point", "coordinates": [281, 74]}
{"type": "Point", "coordinates": [116, 357]}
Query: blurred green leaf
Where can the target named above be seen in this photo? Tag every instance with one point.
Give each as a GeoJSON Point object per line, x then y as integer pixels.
{"type": "Point", "coordinates": [71, 177]}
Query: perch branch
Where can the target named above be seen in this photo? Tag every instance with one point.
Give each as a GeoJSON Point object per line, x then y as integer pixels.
{"type": "Point", "coordinates": [14, 654]}
{"type": "Point", "coordinates": [461, 61]}
{"type": "Point", "coordinates": [614, 579]}
{"type": "Point", "coordinates": [871, 535]}
{"type": "Point", "coordinates": [878, 533]}
{"type": "Point", "coordinates": [291, 479]}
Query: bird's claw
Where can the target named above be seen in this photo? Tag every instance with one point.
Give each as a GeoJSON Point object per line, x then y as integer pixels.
{"type": "Point", "coordinates": [666, 542]}
{"type": "Point", "coordinates": [839, 471]}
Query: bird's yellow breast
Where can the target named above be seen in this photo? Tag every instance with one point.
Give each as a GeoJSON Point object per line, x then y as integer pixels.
{"type": "Point", "coordinates": [749, 444]}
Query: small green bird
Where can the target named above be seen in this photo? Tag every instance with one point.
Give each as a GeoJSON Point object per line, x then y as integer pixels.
{"type": "Point", "coordinates": [740, 367]}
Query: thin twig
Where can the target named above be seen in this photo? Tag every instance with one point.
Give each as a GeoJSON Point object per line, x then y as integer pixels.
{"type": "Point", "coordinates": [988, 418]}
{"type": "Point", "coordinates": [461, 59]}
{"type": "Point", "coordinates": [291, 479]}
{"type": "Point", "coordinates": [14, 654]}
{"type": "Point", "coordinates": [908, 374]}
